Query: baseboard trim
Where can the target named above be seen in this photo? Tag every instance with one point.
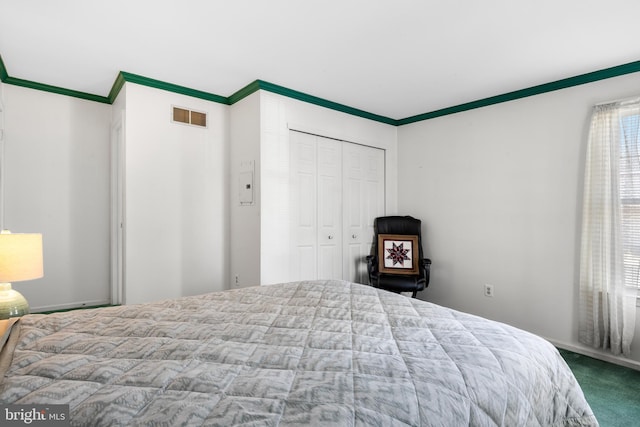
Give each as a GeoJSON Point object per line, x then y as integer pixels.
{"type": "Point", "coordinates": [70, 306]}
{"type": "Point", "coordinates": [597, 354]}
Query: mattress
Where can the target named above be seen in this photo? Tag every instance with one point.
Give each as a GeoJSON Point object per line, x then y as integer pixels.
{"type": "Point", "coordinates": [304, 353]}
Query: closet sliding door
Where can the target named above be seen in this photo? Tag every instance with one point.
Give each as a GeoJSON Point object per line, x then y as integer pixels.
{"type": "Point", "coordinates": [363, 198]}
{"type": "Point", "coordinates": [337, 190]}
{"type": "Point", "coordinates": [303, 173]}
{"type": "Point", "coordinates": [329, 204]}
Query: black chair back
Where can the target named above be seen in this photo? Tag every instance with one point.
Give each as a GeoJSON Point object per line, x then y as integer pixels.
{"type": "Point", "coordinates": [401, 225]}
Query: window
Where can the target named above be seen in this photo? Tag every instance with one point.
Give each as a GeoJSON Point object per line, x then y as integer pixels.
{"type": "Point", "coordinates": [610, 246]}
{"type": "Point", "coordinates": [629, 165]}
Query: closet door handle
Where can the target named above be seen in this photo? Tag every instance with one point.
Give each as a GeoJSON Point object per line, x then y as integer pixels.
{"type": "Point", "coordinates": [330, 237]}
{"type": "Point", "coordinates": [354, 236]}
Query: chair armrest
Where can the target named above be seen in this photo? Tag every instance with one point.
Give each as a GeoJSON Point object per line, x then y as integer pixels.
{"type": "Point", "coordinates": [425, 265]}
{"type": "Point", "coordinates": [372, 269]}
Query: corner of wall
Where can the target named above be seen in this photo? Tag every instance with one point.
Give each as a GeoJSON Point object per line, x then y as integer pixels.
{"type": "Point", "coordinates": [244, 221]}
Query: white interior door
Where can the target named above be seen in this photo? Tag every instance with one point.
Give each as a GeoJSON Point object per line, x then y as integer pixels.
{"type": "Point", "coordinates": [329, 208]}
{"type": "Point", "coordinates": [304, 202]}
{"type": "Point", "coordinates": [363, 195]}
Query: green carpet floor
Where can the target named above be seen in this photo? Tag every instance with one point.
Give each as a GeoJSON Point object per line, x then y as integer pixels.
{"type": "Point", "coordinates": [613, 391]}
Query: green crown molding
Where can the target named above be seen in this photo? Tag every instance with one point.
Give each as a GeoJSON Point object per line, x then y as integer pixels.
{"type": "Point", "coordinates": [124, 77]}
{"type": "Point", "coordinates": [244, 92]}
{"type": "Point", "coordinates": [158, 84]}
{"type": "Point", "coordinates": [116, 88]}
{"type": "Point", "coordinates": [55, 89]}
{"type": "Point", "coordinates": [280, 90]}
{"type": "Point", "coordinates": [300, 96]}
{"type": "Point", "coordinates": [607, 73]}
{"type": "Point", "coordinates": [3, 71]}
{"type": "Point", "coordinates": [5, 78]}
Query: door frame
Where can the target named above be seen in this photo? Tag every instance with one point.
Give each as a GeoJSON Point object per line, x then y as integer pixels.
{"type": "Point", "coordinates": [118, 211]}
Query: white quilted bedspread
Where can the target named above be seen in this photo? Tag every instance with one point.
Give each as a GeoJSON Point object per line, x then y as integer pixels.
{"type": "Point", "coordinates": [307, 353]}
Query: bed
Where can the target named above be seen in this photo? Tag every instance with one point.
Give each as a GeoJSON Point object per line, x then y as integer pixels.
{"type": "Point", "coordinates": [304, 353]}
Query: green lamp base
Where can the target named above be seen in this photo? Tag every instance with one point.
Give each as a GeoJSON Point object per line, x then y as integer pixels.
{"type": "Point", "coordinates": [12, 303]}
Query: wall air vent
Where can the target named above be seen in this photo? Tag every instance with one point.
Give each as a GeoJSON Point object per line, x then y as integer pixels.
{"type": "Point", "coordinates": [195, 118]}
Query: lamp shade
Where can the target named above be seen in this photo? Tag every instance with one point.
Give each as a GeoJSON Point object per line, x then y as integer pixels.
{"type": "Point", "coordinates": [20, 257]}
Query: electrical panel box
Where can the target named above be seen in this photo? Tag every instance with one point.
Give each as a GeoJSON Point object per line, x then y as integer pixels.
{"type": "Point", "coordinates": [245, 184]}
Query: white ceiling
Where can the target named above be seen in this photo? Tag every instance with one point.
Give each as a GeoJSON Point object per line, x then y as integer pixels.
{"type": "Point", "coordinates": [395, 58]}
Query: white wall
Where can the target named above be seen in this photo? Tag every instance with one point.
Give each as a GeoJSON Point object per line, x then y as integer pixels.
{"type": "Point", "coordinates": [269, 146]}
{"type": "Point", "coordinates": [179, 193]}
{"type": "Point", "coordinates": [176, 197]}
{"type": "Point", "coordinates": [499, 190]}
{"type": "Point", "coordinates": [57, 183]}
{"type": "Point", "coordinates": [244, 133]}
{"type": "Point", "coordinates": [279, 114]}
{"type": "Point", "coordinates": [2, 138]}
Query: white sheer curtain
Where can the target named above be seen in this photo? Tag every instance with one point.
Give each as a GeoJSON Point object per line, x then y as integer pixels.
{"type": "Point", "coordinates": [610, 248]}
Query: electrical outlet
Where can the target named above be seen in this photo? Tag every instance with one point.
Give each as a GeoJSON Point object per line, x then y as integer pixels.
{"type": "Point", "coordinates": [488, 290]}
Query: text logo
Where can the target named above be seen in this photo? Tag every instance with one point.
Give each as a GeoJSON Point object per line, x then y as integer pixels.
{"type": "Point", "coordinates": [34, 415]}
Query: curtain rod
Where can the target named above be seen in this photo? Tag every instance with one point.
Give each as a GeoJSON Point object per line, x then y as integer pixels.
{"type": "Point", "coordinates": [621, 100]}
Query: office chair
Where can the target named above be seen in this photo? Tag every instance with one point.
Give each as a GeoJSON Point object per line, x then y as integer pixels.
{"type": "Point", "coordinates": [401, 270]}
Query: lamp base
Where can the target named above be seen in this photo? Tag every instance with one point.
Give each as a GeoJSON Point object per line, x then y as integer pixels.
{"type": "Point", "coordinates": [12, 303]}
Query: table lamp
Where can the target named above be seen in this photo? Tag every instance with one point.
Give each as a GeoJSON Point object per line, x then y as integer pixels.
{"type": "Point", "coordinates": [20, 259]}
